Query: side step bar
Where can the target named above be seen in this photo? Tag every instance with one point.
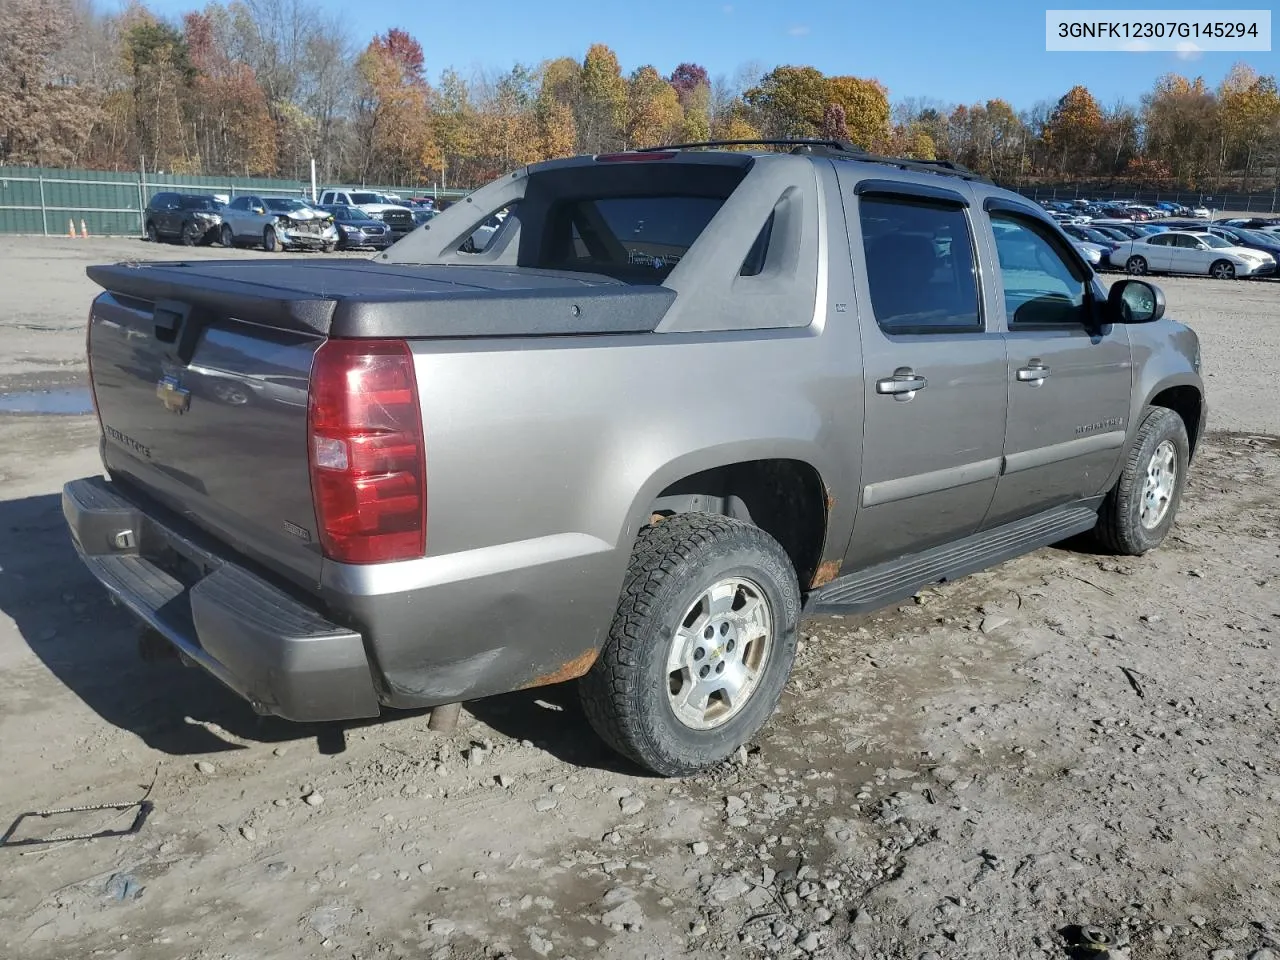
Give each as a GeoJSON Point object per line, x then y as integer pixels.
{"type": "Point", "coordinates": [884, 583]}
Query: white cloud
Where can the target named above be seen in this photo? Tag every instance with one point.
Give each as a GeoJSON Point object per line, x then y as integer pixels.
{"type": "Point", "coordinates": [1188, 51]}
{"type": "Point", "coordinates": [1136, 46]}
{"type": "Point", "coordinates": [727, 9]}
{"type": "Point", "coordinates": [799, 31]}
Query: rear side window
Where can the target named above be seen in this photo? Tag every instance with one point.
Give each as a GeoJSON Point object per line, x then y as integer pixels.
{"type": "Point", "coordinates": [920, 265]}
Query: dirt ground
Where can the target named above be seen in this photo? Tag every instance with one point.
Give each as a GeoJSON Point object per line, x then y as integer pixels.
{"type": "Point", "coordinates": [1068, 740]}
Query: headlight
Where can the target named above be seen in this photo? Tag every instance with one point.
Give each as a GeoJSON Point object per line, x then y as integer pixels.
{"type": "Point", "coordinates": [206, 215]}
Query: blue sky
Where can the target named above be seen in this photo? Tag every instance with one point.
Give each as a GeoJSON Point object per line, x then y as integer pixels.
{"type": "Point", "coordinates": [954, 52]}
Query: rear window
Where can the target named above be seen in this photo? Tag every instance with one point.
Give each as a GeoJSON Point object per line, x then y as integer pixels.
{"type": "Point", "coordinates": [626, 236]}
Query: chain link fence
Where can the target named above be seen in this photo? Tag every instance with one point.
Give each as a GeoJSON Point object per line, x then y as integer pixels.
{"type": "Point", "coordinates": [1266, 202]}
{"type": "Point", "coordinates": [47, 201]}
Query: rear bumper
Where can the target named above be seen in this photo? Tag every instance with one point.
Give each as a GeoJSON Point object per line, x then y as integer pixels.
{"type": "Point", "coordinates": [276, 652]}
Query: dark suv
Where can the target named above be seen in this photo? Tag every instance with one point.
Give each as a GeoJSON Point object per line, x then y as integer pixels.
{"type": "Point", "coordinates": [191, 218]}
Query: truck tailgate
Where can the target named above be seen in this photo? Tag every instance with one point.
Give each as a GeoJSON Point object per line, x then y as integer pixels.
{"type": "Point", "coordinates": [216, 432]}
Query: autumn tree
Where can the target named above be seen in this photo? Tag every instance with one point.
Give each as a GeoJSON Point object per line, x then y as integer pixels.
{"type": "Point", "coordinates": [155, 54]}
{"type": "Point", "coordinates": [392, 120]}
{"type": "Point", "coordinates": [789, 102]}
{"type": "Point", "coordinates": [1072, 130]}
{"type": "Point", "coordinates": [43, 118]}
{"type": "Point", "coordinates": [1180, 122]}
{"type": "Point", "coordinates": [602, 101]}
{"type": "Point", "coordinates": [866, 109]}
{"type": "Point", "coordinates": [693, 88]}
{"type": "Point", "coordinates": [653, 114]}
{"type": "Point", "coordinates": [1249, 109]}
{"type": "Point", "coordinates": [228, 111]}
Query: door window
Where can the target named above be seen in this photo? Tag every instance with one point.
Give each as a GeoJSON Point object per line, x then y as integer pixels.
{"type": "Point", "coordinates": [1041, 284]}
{"type": "Point", "coordinates": [920, 265]}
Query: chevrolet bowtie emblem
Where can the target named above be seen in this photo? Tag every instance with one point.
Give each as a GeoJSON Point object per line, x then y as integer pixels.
{"type": "Point", "coordinates": [172, 395]}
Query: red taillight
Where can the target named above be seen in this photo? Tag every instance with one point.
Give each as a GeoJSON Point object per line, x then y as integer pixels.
{"type": "Point", "coordinates": [365, 447]}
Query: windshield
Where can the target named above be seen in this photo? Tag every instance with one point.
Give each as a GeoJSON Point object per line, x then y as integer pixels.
{"type": "Point", "coordinates": [200, 203]}
{"type": "Point", "coordinates": [368, 198]}
{"type": "Point", "coordinates": [1216, 242]}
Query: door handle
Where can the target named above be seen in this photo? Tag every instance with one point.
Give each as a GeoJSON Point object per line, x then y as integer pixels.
{"type": "Point", "coordinates": [1033, 373]}
{"type": "Point", "coordinates": [902, 385]}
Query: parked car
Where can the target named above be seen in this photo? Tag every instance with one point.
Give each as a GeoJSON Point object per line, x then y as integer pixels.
{"type": "Point", "coordinates": [188, 217]}
{"type": "Point", "coordinates": [422, 215]}
{"type": "Point", "coordinates": [397, 217]}
{"type": "Point", "coordinates": [1094, 254]}
{"type": "Point", "coordinates": [1201, 213]}
{"type": "Point", "coordinates": [497, 484]}
{"type": "Point", "coordinates": [278, 223]}
{"type": "Point", "coordinates": [1197, 253]}
{"type": "Point", "coordinates": [1253, 239]}
{"type": "Point", "coordinates": [357, 229]}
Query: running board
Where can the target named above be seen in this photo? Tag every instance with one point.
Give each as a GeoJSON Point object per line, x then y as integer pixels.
{"type": "Point", "coordinates": [898, 579]}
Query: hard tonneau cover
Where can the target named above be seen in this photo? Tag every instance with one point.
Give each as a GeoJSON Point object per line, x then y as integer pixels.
{"type": "Point", "coordinates": [363, 298]}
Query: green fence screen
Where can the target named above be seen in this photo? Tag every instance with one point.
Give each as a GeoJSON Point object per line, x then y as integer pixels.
{"type": "Point", "coordinates": [48, 201]}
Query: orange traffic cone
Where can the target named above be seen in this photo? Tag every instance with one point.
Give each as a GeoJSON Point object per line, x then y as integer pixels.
{"type": "Point", "coordinates": [71, 229]}
{"type": "Point", "coordinates": [84, 231]}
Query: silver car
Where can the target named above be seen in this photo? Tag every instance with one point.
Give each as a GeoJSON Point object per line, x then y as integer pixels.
{"type": "Point", "coordinates": [277, 223]}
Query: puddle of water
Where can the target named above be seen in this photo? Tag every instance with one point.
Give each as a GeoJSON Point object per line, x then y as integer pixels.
{"type": "Point", "coordinates": [72, 400]}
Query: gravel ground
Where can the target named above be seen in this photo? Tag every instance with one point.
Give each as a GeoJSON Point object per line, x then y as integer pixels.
{"type": "Point", "coordinates": [1067, 741]}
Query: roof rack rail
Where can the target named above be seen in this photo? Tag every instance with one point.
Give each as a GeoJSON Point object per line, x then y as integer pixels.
{"type": "Point", "coordinates": [834, 148]}
{"type": "Point", "coordinates": [801, 145]}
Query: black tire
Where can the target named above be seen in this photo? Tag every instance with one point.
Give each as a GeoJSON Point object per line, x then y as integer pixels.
{"type": "Point", "coordinates": [270, 241]}
{"type": "Point", "coordinates": [330, 247]}
{"type": "Point", "coordinates": [625, 694]}
{"type": "Point", "coordinates": [190, 234]}
{"type": "Point", "coordinates": [1136, 266]}
{"type": "Point", "coordinates": [153, 235]}
{"type": "Point", "coordinates": [1222, 270]}
{"type": "Point", "coordinates": [227, 237]}
{"type": "Point", "coordinates": [1120, 526]}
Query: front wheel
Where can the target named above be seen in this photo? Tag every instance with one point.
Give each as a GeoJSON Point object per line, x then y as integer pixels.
{"type": "Point", "coordinates": [153, 235]}
{"type": "Point", "coordinates": [1136, 266]}
{"type": "Point", "coordinates": [228, 237]}
{"type": "Point", "coordinates": [1223, 270]}
{"type": "Point", "coordinates": [1138, 513]}
{"type": "Point", "coordinates": [270, 242]}
{"type": "Point", "coordinates": [701, 646]}
{"type": "Point", "coordinates": [330, 247]}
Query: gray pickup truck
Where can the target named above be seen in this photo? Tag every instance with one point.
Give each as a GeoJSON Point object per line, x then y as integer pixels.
{"type": "Point", "coordinates": [680, 398]}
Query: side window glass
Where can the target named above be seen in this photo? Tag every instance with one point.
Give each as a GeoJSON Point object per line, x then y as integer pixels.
{"type": "Point", "coordinates": [920, 265]}
{"type": "Point", "coordinates": [482, 237]}
{"type": "Point", "coordinates": [1040, 285]}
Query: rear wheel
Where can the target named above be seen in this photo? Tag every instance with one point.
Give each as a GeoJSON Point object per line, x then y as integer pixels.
{"type": "Point", "coordinates": [270, 242]}
{"type": "Point", "coordinates": [1139, 511]}
{"type": "Point", "coordinates": [1136, 266]}
{"type": "Point", "coordinates": [1222, 270]}
{"type": "Point", "coordinates": [701, 646]}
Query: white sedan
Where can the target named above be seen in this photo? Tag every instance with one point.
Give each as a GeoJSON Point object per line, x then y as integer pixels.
{"type": "Point", "coordinates": [1184, 252]}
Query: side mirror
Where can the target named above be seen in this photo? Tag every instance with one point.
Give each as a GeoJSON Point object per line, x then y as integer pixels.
{"type": "Point", "coordinates": [1135, 301]}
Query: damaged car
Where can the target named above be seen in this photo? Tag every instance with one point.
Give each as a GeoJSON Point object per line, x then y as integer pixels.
{"type": "Point", "coordinates": [277, 223]}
